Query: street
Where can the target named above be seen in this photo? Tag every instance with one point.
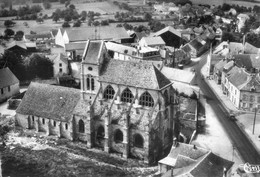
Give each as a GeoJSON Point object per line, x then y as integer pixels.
{"type": "Point", "coordinates": [239, 140]}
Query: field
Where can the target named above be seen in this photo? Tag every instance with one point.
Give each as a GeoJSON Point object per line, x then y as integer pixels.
{"type": "Point", "coordinates": [245, 3]}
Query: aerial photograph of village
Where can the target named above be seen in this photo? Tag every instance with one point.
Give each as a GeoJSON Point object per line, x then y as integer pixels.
{"type": "Point", "coordinates": [129, 88]}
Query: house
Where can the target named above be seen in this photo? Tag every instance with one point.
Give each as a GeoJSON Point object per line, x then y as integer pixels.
{"type": "Point", "coordinates": [75, 50]}
{"type": "Point", "coordinates": [171, 36]}
{"type": "Point", "coordinates": [155, 42]}
{"type": "Point", "coordinates": [218, 69]}
{"type": "Point", "coordinates": [21, 47]}
{"type": "Point", "coordinates": [196, 47]}
{"type": "Point", "coordinates": [190, 160]}
{"type": "Point", "coordinates": [60, 64]}
{"type": "Point", "coordinates": [40, 37]}
{"type": "Point", "coordinates": [127, 53]}
{"type": "Point", "coordinates": [9, 84]}
{"type": "Point", "coordinates": [75, 35]}
{"type": "Point", "coordinates": [123, 107]}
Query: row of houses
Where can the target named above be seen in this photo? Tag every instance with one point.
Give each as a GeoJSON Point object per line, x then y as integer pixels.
{"type": "Point", "coordinates": [235, 66]}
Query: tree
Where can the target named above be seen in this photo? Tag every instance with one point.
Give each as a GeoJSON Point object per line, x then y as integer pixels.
{"type": "Point", "coordinates": [83, 19]}
{"type": "Point", "coordinates": [18, 35]}
{"type": "Point", "coordinates": [67, 3]}
{"type": "Point", "coordinates": [39, 20]}
{"type": "Point", "coordinates": [8, 32]}
{"type": "Point", "coordinates": [13, 60]}
{"type": "Point", "coordinates": [46, 4]}
{"type": "Point", "coordinates": [38, 66]}
{"type": "Point", "coordinates": [83, 14]}
{"type": "Point", "coordinates": [77, 23]}
{"type": "Point", "coordinates": [67, 18]}
{"type": "Point", "coordinates": [104, 23]}
{"type": "Point", "coordinates": [96, 23]}
{"type": "Point", "coordinates": [147, 16]}
{"type": "Point", "coordinates": [62, 1]}
{"type": "Point", "coordinates": [9, 23]}
{"type": "Point", "coordinates": [72, 6]}
{"type": "Point", "coordinates": [55, 17]}
{"type": "Point", "coordinates": [65, 24]}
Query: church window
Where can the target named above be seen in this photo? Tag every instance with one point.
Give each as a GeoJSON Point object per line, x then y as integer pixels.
{"type": "Point", "coordinates": [127, 96]}
{"type": "Point", "coordinates": [90, 68]}
{"type": "Point", "coordinates": [138, 141]}
{"type": "Point", "coordinates": [100, 132]}
{"type": "Point", "coordinates": [54, 123]}
{"type": "Point", "coordinates": [146, 100]}
{"type": "Point", "coordinates": [43, 121]}
{"type": "Point", "coordinates": [90, 82]}
{"type": "Point", "coordinates": [118, 136]}
{"type": "Point", "coordinates": [81, 126]}
{"type": "Point", "coordinates": [66, 126]}
{"type": "Point", "coordinates": [109, 92]}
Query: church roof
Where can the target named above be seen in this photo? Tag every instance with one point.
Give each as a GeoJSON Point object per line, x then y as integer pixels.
{"type": "Point", "coordinates": [135, 74]}
{"type": "Point", "coordinates": [92, 52]}
{"type": "Point", "coordinates": [49, 101]}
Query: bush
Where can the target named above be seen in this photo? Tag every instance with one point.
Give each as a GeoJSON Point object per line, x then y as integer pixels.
{"type": "Point", "coordinates": [66, 25]}
{"type": "Point", "coordinates": [77, 23]}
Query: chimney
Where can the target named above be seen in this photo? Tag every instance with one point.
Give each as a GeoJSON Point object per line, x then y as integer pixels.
{"type": "Point", "coordinates": [194, 147]}
{"type": "Point", "coordinates": [224, 172]}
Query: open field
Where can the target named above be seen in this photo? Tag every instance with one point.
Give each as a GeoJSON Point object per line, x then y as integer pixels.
{"type": "Point", "coordinates": [245, 3]}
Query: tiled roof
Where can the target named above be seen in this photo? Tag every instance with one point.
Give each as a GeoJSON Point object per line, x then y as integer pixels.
{"type": "Point", "coordinates": [140, 35]}
{"type": "Point", "coordinates": [120, 48]}
{"type": "Point", "coordinates": [7, 78]}
{"type": "Point", "coordinates": [59, 56]}
{"type": "Point", "coordinates": [238, 77]}
{"type": "Point", "coordinates": [136, 74]}
{"type": "Point", "coordinates": [250, 49]}
{"type": "Point", "coordinates": [75, 46]}
{"type": "Point", "coordinates": [157, 40]}
{"type": "Point", "coordinates": [105, 32]}
{"type": "Point", "coordinates": [48, 101]}
{"type": "Point", "coordinates": [247, 60]}
{"type": "Point", "coordinates": [92, 52]}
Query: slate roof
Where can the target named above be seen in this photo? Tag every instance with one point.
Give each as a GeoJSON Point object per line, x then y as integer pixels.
{"type": "Point", "coordinates": [157, 40]}
{"type": "Point", "coordinates": [82, 108]}
{"type": "Point", "coordinates": [7, 78]}
{"type": "Point", "coordinates": [195, 162]}
{"type": "Point", "coordinates": [75, 46]}
{"type": "Point", "coordinates": [105, 32]}
{"type": "Point", "coordinates": [92, 52]}
{"type": "Point", "coordinates": [49, 101]}
{"type": "Point", "coordinates": [136, 74]}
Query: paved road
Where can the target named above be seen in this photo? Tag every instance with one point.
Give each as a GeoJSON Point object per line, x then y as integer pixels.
{"type": "Point", "coordinates": [237, 137]}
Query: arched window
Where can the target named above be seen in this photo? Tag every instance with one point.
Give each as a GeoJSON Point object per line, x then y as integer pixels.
{"type": "Point", "coordinates": [138, 141]}
{"type": "Point", "coordinates": [118, 136]}
{"type": "Point", "coordinates": [33, 118]}
{"type": "Point", "coordinates": [100, 132]}
{"type": "Point", "coordinates": [81, 126]}
{"type": "Point", "coordinates": [127, 96]}
{"type": "Point", "coordinates": [54, 123]}
{"type": "Point", "coordinates": [88, 84]}
{"type": "Point", "coordinates": [146, 100]}
{"type": "Point", "coordinates": [43, 121]}
{"type": "Point", "coordinates": [66, 126]}
{"type": "Point", "coordinates": [109, 92]}
{"type": "Point", "coordinates": [92, 84]}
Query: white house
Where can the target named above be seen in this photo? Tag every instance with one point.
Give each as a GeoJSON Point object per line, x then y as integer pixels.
{"type": "Point", "coordinates": [9, 84]}
{"type": "Point", "coordinates": [156, 42]}
{"type": "Point", "coordinates": [60, 64]}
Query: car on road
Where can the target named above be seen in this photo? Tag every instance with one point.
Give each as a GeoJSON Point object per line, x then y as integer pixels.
{"type": "Point", "coordinates": [232, 116]}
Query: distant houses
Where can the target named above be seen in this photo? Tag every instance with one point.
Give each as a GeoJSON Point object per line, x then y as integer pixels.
{"type": "Point", "coordinates": [9, 84]}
